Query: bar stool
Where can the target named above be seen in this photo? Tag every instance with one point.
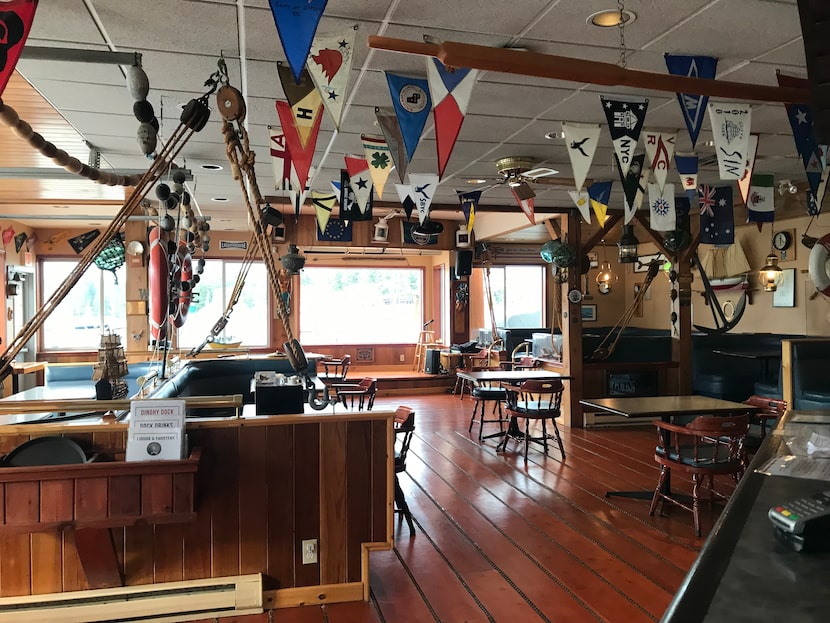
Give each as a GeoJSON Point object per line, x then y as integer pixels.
{"type": "Point", "coordinates": [483, 396]}
{"type": "Point", "coordinates": [424, 339]}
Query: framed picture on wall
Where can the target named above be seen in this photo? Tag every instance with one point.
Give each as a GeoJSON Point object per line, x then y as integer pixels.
{"type": "Point", "coordinates": [784, 295]}
{"type": "Point", "coordinates": [589, 313]}
{"type": "Point", "coordinates": [365, 354]}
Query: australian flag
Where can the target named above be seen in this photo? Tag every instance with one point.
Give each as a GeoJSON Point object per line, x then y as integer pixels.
{"type": "Point", "coordinates": [717, 219]}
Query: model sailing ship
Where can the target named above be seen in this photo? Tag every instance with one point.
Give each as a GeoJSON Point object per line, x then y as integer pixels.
{"type": "Point", "coordinates": [727, 267]}
{"type": "Point", "coordinates": [111, 366]}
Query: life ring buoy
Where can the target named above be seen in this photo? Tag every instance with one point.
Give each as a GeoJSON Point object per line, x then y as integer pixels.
{"type": "Point", "coordinates": [819, 273]}
{"type": "Point", "coordinates": [158, 275]}
{"type": "Point", "coordinates": [181, 280]}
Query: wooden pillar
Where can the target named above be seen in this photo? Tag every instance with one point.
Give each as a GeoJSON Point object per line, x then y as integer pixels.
{"type": "Point", "coordinates": [138, 327]}
{"type": "Point", "coordinates": [571, 323]}
{"type": "Point", "coordinates": [681, 325]}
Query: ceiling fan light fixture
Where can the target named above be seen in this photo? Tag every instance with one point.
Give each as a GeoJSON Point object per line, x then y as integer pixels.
{"type": "Point", "coordinates": [475, 181]}
{"type": "Point", "coordinates": [611, 18]}
{"type": "Point", "coordinates": [553, 136]}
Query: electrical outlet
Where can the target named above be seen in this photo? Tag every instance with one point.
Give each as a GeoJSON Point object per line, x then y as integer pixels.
{"type": "Point", "coordinates": [403, 358]}
{"type": "Point", "coordinates": [310, 552]}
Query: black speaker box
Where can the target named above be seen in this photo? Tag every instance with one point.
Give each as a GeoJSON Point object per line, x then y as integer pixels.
{"type": "Point", "coordinates": [463, 262]}
{"type": "Point", "coordinates": [433, 361]}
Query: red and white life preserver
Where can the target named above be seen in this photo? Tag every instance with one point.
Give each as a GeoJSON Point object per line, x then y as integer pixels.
{"type": "Point", "coordinates": [183, 274]}
{"type": "Point", "coordinates": [819, 273]}
{"type": "Point", "coordinates": [158, 275]}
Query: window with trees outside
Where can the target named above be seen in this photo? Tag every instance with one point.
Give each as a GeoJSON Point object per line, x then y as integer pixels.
{"type": "Point", "coordinates": [360, 305]}
{"type": "Point", "coordinates": [249, 322]}
{"type": "Point", "coordinates": [518, 296]}
{"type": "Point", "coordinates": [96, 305]}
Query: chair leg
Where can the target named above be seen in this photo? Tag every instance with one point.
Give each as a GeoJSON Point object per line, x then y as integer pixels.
{"type": "Point", "coordinates": [658, 489]}
{"type": "Point", "coordinates": [545, 437]}
{"type": "Point", "coordinates": [696, 502]}
{"type": "Point", "coordinates": [527, 436]}
{"type": "Point", "coordinates": [403, 507]}
{"type": "Point", "coordinates": [558, 438]}
{"type": "Point", "coordinates": [473, 417]}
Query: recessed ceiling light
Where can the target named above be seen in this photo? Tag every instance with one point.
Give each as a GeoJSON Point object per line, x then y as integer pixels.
{"type": "Point", "coordinates": [209, 166]}
{"type": "Point", "coordinates": [709, 143]}
{"type": "Point", "coordinates": [609, 18]}
{"type": "Point", "coordinates": [476, 180]}
{"type": "Point", "coordinates": [552, 136]}
{"type": "Point", "coordinates": [220, 199]}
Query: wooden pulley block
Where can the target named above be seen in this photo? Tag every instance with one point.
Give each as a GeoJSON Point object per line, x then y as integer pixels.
{"type": "Point", "coordinates": [231, 103]}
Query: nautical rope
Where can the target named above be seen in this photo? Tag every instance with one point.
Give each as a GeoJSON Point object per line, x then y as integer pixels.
{"type": "Point", "coordinates": [10, 118]}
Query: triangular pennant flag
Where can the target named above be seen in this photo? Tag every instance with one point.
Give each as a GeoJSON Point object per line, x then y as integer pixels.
{"type": "Point", "coordinates": [731, 122]}
{"type": "Point", "coordinates": [661, 203]}
{"type": "Point", "coordinates": [359, 179]}
{"type": "Point", "coordinates": [329, 64]}
{"type": "Point", "coordinates": [410, 98]}
{"type": "Point", "coordinates": [761, 203]}
{"type": "Point", "coordinates": [451, 92]}
{"type": "Point", "coordinates": [379, 159]}
{"type": "Point", "coordinates": [527, 204]}
{"type": "Point", "coordinates": [687, 170]}
{"type": "Point", "coordinates": [469, 205]}
{"type": "Point", "coordinates": [301, 155]}
{"type": "Point", "coordinates": [600, 195]}
{"type": "Point", "coordinates": [337, 230]}
{"type": "Point", "coordinates": [625, 121]}
{"type": "Point", "coordinates": [717, 219]}
{"type": "Point", "coordinates": [812, 156]}
{"type": "Point", "coordinates": [583, 203]}
{"type": "Point", "coordinates": [305, 102]}
{"type": "Point", "coordinates": [297, 22]}
{"type": "Point", "coordinates": [280, 159]}
{"type": "Point", "coordinates": [582, 140]}
{"type": "Point", "coordinates": [405, 197]}
{"type": "Point", "coordinates": [692, 105]}
{"type": "Point", "coordinates": [745, 181]}
{"type": "Point", "coordinates": [388, 122]}
{"type": "Point", "coordinates": [15, 23]}
{"type": "Point", "coordinates": [423, 187]}
{"type": "Point", "coordinates": [297, 192]}
{"type": "Point", "coordinates": [323, 205]}
{"type": "Point", "coordinates": [632, 183]}
{"type": "Point", "coordinates": [660, 151]}
{"type": "Point", "coordinates": [350, 209]}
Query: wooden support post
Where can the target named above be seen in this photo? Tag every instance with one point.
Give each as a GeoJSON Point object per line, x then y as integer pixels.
{"type": "Point", "coordinates": [96, 551]}
{"type": "Point", "coordinates": [572, 329]}
{"type": "Point", "coordinates": [681, 326]}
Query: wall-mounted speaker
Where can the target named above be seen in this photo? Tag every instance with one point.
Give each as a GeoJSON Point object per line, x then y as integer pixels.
{"type": "Point", "coordinates": [463, 262]}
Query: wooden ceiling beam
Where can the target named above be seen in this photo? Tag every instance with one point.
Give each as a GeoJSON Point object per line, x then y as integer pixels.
{"type": "Point", "coordinates": [505, 60]}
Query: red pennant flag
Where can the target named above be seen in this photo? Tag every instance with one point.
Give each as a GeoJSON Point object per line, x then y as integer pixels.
{"type": "Point", "coordinates": [527, 206]}
{"type": "Point", "coordinates": [301, 156]}
{"type": "Point", "coordinates": [15, 23]}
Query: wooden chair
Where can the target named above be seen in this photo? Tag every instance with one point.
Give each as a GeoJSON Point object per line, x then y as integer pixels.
{"type": "Point", "coordinates": [482, 396]}
{"type": "Point", "coordinates": [404, 428]}
{"type": "Point", "coordinates": [771, 409]}
{"type": "Point", "coordinates": [335, 369]}
{"type": "Point", "coordinates": [475, 362]}
{"type": "Point", "coordinates": [706, 447]}
{"type": "Point", "coordinates": [364, 391]}
{"type": "Point", "coordinates": [535, 401]}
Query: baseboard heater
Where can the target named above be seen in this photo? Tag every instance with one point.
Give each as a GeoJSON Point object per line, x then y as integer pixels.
{"type": "Point", "coordinates": [149, 603]}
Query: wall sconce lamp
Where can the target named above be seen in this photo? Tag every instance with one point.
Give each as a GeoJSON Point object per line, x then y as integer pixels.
{"type": "Point", "coordinates": [627, 245]}
{"type": "Point", "coordinates": [771, 273]}
{"type": "Point", "coordinates": [606, 277]}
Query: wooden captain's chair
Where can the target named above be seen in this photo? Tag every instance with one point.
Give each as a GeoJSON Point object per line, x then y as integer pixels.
{"type": "Point", "coordinates": [536, 401]}
{"type": "Point", "coordinates": [335, 369]}
{"type": "Point", "coordinates": [364, 391]}
{"type": "Point", "coordinates": [404, 428]}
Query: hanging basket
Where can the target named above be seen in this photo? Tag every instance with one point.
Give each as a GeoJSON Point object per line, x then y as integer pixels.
{"type": "Point", "coordinates": [111, 257]}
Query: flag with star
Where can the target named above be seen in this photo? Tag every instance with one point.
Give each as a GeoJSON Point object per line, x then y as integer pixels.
{"type": "Point", "coordinates": [633, 184]}
{"type": "Point", "coordinates": [423, 186]}
{"type": "Point", "coordinates": [731, 122]}
{"type": "Point", "coordinates": [349, 206]}
{"type": "Point", "coordinates": [360, 180]}
{"type": "Point", "coordinates": [581, 140]}
{"type": "Point", "coordinates": [812, 155]}
{"type": "Point", "coordinates": [625, 121]}
{"type": "Point", "coordinates": [329, 64]}
{"type": "Point", "coordinates": [379, 159]}
{"type": "Point", "coordinates": [469, 205]}
{"type": "Point", "coordinates": [388, 122]}
{"type": "Point", "coordinates": [405, 196]}
{"type": "Point", "coordinates": [692, 105]}
{"type": "Point", "coordinates": [411, 101]}
{"type": "Point", "coordinates": [686, 165]}
{"type": "Point", "coordinates": [660, 151]}
{"type": "Point", "coordinates": [661, 205]}
{"type": "Point", "coordinates": [717, 219]}
{"type": "Point", "coordinates": [323, 205]}
{"type": "Point", "coordinates": [450, 92]}
{"type": "Point", "coordinates": [761, 203]}
{"type": "Point", "coordinates": [337, 230]}
{"type": "Point", "coordinates": [304, 99]}
{"type": "Point", "coordinates": [582, 201]}
{"type": "Point", "coordinates": [600, 194]}
{"type": "Point", "coordinates": [745, 182]}
{"type": "Point", "coordinates": [297, 21]}
{"type": "Point", "coordinates": [301, 154]}
{"type": "Point", "coordinates": [15, 23]}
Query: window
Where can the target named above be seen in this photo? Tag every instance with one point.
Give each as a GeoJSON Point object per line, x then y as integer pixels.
{"type": "Point", "coordinates": [518, 296]}
{"type": "Point", "coordinates": [249, 321]}
{"type": "Point", "coordinates": [360, 305]}
{"type": "Point", "coordinates": [95, 305]}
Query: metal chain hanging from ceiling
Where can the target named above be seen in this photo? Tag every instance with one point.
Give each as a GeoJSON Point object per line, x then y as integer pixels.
{"type": "Point", "coordinates": [621, 26]}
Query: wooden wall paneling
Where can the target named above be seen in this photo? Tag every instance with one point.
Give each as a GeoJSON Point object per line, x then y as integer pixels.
{"type": "Point", "coordinates": [253, 504]}
{"type": "Point", "coordinates": [197, 557]}
{"type": "Point", "coordinates": [91, 498]}
{"type": "Point", "coordinates": [224, 449]}
{"type": "Point", "coordinates": [156, 493]}
{"type": "Point", "coordinates": [57, 500]}
{"type": "Point", "coordinates": [168, 545]}
{"type": "Point", "coordinates": [333, 478]}
{"type": "Point", "coordinates": [280, 479]}
{"type": "Point", "coordinates": [359, 487]}
{"type": "Point", "coordinates": [15, 570]}
{"type": "Point", "coordinates": [46, 562]}
{"type": "Point", "coordinates": [306, 500]}
{"type": "Point", "coordinates": [381, 487]}
{"type": "Point", "coordinates": [125, 496]}
{"type": "Point", "coordinates": [139, 551]}
{"type": "Point", "coordinates": [74, 578]}
{"type": "Point", "coordinates": [97, 554]}
{"type": "Point", "coordinates": [22, 503]}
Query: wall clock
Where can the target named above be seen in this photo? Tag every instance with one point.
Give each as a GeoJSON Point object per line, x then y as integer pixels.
{"type": "Point", "coordinates": [782, 240]}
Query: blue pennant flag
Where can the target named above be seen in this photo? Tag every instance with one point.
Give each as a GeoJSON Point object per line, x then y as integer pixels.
{"type": "Point", "coordinates": [337, 230]}
{"type": "Point", "coordinates": [410, 97]}
{"type": "Point", "coordinates": [717, 218]}
{"type": "Point", "coordinates": [600, 195]}
{"type": "Point", "coordinates": [469, 205]}
{"type": "Point", "coordinates": [801, 122]}
{"type": "Point", "coordinates": [692, 106]}
{"type": "Point", "coordinates": [297, 22]}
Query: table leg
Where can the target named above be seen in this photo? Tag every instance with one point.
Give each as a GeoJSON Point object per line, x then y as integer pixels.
{"type": "Point", "coordinates": [647, 495]}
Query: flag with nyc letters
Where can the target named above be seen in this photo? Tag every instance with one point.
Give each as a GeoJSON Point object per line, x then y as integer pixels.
{"type": "Point", "coordinates": [717, 218]}
{"type": "Point", "coordinates": [15, 23]}
{"type": "Point", "coordinates": [625, 122]}
{"type": "Point", "coordinates": [731, 122]}
{"type": "Point", "coordinates": [411, 101]}
{"type": "Point", "coordinates": [660, 151]}
{"type": "Point", "coordinates": [379, 159]}
{"type": "Point", "coordinates": [451, 92]}
{"type": "Point", "coordinates": [388, 122]}
{"type": "Point", "coordinates": [663, 215]}
{"type": "Point", "coordinates": [746, 180]}
{"type": "Point", "coordinates": [296, 22]}
{"type": "Point", "coordinates": [761, 203]}
{"type": "Point", "coordinates": [423, 187]}
{"type": "Point", "coordinates": [581, 140]}
{"type": "Point", "coordinates": [687, 170]}
{"type": "Point", "coordinates": [633, 184]}
{"type": "Point", "coordinates": [469, 205]}
{"type": "Point", "coordinates": [329, 64]}
{"type": "Point", "coordinates": [599, 194]}
{"type": "Point", "coordinates": [692, 105]}
{"type": "Point", "coordinates": [323, 205]}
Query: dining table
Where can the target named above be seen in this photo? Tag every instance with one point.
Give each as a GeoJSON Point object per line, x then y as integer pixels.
{"type": "Point", "coordinates": [663, 408]}
{"type": "Point", "coordinates": [764, 355]}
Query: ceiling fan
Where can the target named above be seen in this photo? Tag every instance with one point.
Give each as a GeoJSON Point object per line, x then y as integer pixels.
{"type": "Point", "coordinates": [519, 172]}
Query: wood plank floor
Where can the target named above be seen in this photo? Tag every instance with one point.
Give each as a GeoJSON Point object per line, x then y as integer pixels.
{"type": "Point", "coordinates": [498, 539]}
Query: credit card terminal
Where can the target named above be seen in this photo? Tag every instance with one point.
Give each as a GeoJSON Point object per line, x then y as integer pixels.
{"type": "Point", "coordinates": [804, 523]}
